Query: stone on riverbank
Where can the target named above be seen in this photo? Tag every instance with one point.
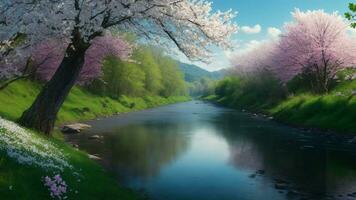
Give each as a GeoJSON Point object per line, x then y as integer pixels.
{"type": "Point", "coordinates": [95, 137]}
{"type": "Point", "coordinates": [74, 128]}
{"type": "Point", "coordinates": [94, 157]}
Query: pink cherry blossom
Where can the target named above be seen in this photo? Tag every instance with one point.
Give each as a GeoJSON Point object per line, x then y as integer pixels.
{"type": "Point", "coordinates": [48, 55]}
{"type": "Point", "coordinates": [316, 42]}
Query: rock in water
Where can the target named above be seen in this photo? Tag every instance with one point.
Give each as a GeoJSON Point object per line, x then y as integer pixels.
{"type": "Point", "coordinates": [96, 137]}
{"type": "Point", "coordinates": [94, 157]}
{"type": "Point", "coordinates": [74, 128]}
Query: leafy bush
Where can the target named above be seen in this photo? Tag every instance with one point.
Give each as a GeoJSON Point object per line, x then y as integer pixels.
{"type": "Point", "coordinates": [253, 90]}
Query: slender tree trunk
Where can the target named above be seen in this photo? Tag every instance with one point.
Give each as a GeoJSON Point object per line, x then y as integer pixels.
{"type": "Point", "coordinates": [42, 114]}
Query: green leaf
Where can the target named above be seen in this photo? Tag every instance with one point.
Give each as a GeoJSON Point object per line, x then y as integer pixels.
{"type": "Point", "coordinates": [348, 16]}
{"type": "Point", "coordinates": [352, 7]}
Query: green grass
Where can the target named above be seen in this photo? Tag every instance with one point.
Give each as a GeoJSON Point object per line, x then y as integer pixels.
{"type": "Point", "coordinates": [322, 111]}
{"type": "Point", "coordinates": [333, 111]}
{"type": "Point", "coordinates": [80, 105]}
{"type": "Point", "coordinates": [26, 181]}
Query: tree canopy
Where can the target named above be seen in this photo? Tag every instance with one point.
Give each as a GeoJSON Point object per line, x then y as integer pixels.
{"type": "Point", "coordinates": [189, 25]}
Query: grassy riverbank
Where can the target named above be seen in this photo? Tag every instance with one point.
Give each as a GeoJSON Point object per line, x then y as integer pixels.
{"type": "Point", "coordinates": [24, 154]}
{"type": "Point", "coordinates": [333, 111]}
{"type": "Point", "coordinates": [80, 104]}
{"type": "Point", "coordinates": [26, 158]}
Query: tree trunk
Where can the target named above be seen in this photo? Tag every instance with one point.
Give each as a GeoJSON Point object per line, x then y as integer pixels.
{"type": "Point", "coordinates": [42, 114]}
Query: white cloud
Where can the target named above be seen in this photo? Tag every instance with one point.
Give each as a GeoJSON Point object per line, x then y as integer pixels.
{"type": "Point", "coordinates": [273, 32]}
{"type": "Point", "coordinates": [246, 47]}
{"type": "Point", "coordinates": [252, 44]}
{"type": "Point", "coordinates": [251, 30]}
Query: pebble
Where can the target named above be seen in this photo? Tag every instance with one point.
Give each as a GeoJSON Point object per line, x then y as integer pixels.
{"type": "Point", "coordinates": [95, 137]}
{"type": "Point", "coordinates": [94, 157]}
{"type": "Point", "coordinates": [74, 128]}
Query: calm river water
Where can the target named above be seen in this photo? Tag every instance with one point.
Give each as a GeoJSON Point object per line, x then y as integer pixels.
{"type": "Point", "coordinates": [197, 150]}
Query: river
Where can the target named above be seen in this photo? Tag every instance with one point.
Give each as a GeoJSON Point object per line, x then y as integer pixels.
{"type": "Point", "coordinates": [197, 150]}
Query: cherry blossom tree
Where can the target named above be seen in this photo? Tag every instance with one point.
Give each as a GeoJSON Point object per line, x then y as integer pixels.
{"type": "Point", "coordinates": [48, 55]}
{"type": "Point", "coordinates": [189, 25]}
{"type": "Point", "coordinates": [256, 59]}
{"type": "Point", "coordinates": [315, 43]}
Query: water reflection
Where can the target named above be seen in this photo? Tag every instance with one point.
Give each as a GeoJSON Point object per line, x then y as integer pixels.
{"type": "Point", "coordinates": [310, 164]}
{"type": "Point", "coordinates": [138, 150]}
{"type": "Point", "coordinates": [200, 151]}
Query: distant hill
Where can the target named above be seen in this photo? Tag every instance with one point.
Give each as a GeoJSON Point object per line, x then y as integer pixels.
{"type": "Point", "coordinates": [194, 73]}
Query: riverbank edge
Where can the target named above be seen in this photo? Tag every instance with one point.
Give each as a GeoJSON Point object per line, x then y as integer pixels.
{"type": "Point", "coordinates": [273, 116]}
{"type": "Point", "coordinates": [170, 101]}
{"type": "Point", "coordinates": [18, 96]}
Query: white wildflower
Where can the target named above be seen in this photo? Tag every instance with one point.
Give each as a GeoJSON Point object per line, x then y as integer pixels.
{"type": "Point", "coordinates": [30, 149]}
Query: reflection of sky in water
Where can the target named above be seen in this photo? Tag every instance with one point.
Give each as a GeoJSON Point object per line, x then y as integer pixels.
{"type": "Point", "coordinates": [200, 151]}
{"type": "Point", "coordinates": [204, 173]}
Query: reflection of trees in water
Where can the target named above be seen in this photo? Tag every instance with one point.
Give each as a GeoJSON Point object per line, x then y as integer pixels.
{"type": "Point", "coordinates": [142, 150]}
{"type": "Point", "coordinates": [259, 144]}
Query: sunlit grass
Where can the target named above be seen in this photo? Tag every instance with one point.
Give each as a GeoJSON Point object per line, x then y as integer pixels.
{"type": "Point", "coordinates": [79, 105]}
{"type": "Point", "coordinates": [335, 110]}
{"type": "Point", "coordinates": [329, 111]}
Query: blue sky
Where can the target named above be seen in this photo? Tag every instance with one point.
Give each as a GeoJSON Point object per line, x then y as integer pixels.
{"type": "Point", "coordinates": [256, 18]}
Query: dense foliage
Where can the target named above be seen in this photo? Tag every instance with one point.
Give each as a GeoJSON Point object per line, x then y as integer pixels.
{"type": "Point", "coordinates": [151, 73]}
{"type": "Point", "coordinates": [252, 91]}
{"type": "Point", "coordinates": [202, 87]}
